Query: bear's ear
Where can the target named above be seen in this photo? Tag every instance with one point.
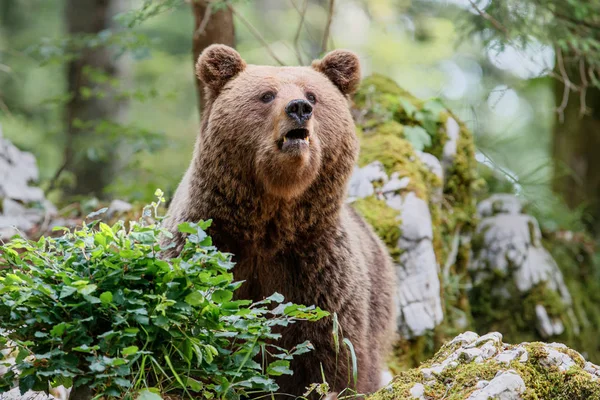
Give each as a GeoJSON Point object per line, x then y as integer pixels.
{"type": "Point", "coordinates": [218, 64]}
{"type": "Point", "coordinates": [342, 68]}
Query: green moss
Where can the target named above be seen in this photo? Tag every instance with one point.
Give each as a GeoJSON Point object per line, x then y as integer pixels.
{"type": "Point", "coordinates": [541, 382]}
{"type": "Point", "coordinates": [385, 221]}
{"type": "Point", "coordinates": [396, 155]}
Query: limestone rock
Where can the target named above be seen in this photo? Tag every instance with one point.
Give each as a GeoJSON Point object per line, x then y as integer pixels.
{"type": "Point", "coordinates": [484, 368]}
{"type": "Point", "coordinates": [23, 206]}
{"type": "Point", "coordinates": [419, 303]}
{"type": "Point", "coordinates": [508, 245]}
{"type": "Point", "coordinates": [507, 385]}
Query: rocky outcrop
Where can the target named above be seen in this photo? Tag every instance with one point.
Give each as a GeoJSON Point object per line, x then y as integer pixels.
{"type": "Point", "coordinates": [474, 367]}
{"type": "Point", "coordinates": [462, 265]}
{"type": "Point", "coordinates": [414, 184]}
{"type": "Point", "coordinates": [22, 206]}
{"type": "Point", "coordinates": [418, 295]}
{"type": "Point", "coordinates": [511, 270]}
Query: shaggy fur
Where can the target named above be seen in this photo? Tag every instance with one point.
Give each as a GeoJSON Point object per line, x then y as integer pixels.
{"type": "Point", "coordinates": [282, 213]}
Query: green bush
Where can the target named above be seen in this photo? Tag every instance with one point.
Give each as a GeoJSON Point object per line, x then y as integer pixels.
{"type": "Point", "coordinates": [98, 308]}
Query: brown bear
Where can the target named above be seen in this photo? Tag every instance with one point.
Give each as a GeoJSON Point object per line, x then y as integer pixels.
{"type": "Point", "coordinates": [271, 166]}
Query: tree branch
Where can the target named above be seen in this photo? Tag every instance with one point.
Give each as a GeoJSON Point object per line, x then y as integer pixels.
{"type": "Point", "coordinates": [584, 86]}
{"type": "Point", "coordinates": [489, 18]}
{"type": "Point", "coordinates": [299, 30]}
{"type": "Point", "coordinates": [563, 72]}
{"type": "Point", "coordinates": [204, 22]}
{"type": "Point", "coordinates": [256, 34]}
{"type": "Point", "coordinates": [327, 27]}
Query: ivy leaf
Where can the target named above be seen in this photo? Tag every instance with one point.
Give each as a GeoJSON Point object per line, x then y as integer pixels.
{"type": "Point", "coordinates": [279, 367]}
{"type": "Point", "coordinates": [128, 351]}
{"type": "Point", "coordinates": [417, 136]}
{"type": "Point", "coordinates": [194, 298]}
{"type": "Point", "coordinates": [222, 296]}
{"type": "Point", "coordinates": [408, 106]}
{"type": "Point", "coordinates": [87, 289]}
{"type": "Point", "coordinates": [59, 330]}
{"type": "Point", "coordinates": [106, 298]}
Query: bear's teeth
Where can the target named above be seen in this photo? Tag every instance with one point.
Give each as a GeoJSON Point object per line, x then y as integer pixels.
{"type": "Point", "coordinates": [307, 140]}
{"type": "Point", "coordinates": [284, 139]}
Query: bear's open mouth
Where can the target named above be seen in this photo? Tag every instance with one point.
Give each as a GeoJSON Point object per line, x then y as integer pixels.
{"type": "Point", "coordinates": [297, 134]}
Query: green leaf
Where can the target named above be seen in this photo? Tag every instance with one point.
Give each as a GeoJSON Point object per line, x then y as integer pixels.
{"type": "Point", "coordinates": [194, 298]}
{"type": "Point", "coordinates": [408, 106]}
{"type": "Point", "coordinates": [276, 297]}
{"type": "Point", "coordinates": [147, 394]}
{"type": "Point", "coordinates": [59, 330]}
{"type": "Point", "coordinates": [67, 291]}
{"type": "Point", "coordinates": [222, 296]}
{"type": "Point", "coordinates": [106, 298]}
{"type": "Point", "coordinates": [279, 367]}
{"type": "Point", "coordinates": [435, 107]}
{"type": "Point", "coordinates": [187, 227]}
{"type": "Point", "coordinates": [128, 351]}
{"type": "Point", "coordinates": [193, 384]}
{"type": "Point", "coordinates": [87, 289]}
{"type": "Point", "coordinates": [417, 136]}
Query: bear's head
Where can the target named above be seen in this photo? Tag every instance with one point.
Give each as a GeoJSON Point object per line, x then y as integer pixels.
{"type": "Point", "coordinates": [284, 126]}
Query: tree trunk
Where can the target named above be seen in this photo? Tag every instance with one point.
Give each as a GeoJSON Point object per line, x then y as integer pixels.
{"type": "Point", "coordinates": [209, 28]}
{"type": "Point", "coordinates": [576, 149]}
{"type": "Point", "coordinates": [88, 155]}
{"type": "Point", "coordinates": [81, 393]}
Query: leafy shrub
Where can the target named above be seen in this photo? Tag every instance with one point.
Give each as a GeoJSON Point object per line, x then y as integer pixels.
{"type": "Point", "coordinates": [98, 308]}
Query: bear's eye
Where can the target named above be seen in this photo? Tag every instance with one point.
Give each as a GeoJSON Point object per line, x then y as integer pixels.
{"type": "Point", "coordinates": [267, 97]}
{"type": "Point", "coordinates": [311, 97]}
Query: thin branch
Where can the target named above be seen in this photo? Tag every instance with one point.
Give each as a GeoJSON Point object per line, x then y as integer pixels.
{"type": "Point", "coordinates": [489, 18]}
{"type": "Point", "coordinates": [299, 30]}
{"type": "Point", "coordinates": [204, 22]}
{"type": "Point", "coordinates": [306, 23]}
{"type": "Point", "coordinates": [575, 21]}
{"type": "Point", "coordinates": [565, 100]}
{"type": "Point", "coordinates": [256, 34]}
{"type": "Point", "coordinates": [327, 27]}
{"type": "Point", "coordinates": [584, 86]}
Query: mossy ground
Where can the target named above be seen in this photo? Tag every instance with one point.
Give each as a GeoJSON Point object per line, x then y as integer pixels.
{"type": "Point", "coordinates": [541, 382]}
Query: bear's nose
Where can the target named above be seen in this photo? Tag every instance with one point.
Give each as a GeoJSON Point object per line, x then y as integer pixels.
{"type": "Point", "coordinates": [299, 110]}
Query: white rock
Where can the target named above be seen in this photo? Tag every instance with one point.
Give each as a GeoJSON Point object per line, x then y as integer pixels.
{"type": "Point", "coordinates": [450, 147]}
{"type": "Point", "coordinates": [556, 358]}
{"type": "Point", "coordinates": [499, 203]}
{"type": "Point", "coordinates": [546, 326]}
{"type": "Point", "coordinates": [481, 384]}
{"type": "Point", "coordinates": [361, 185]}
{"type": "Point", "coordinates": [434, 165]}
{"type": "Point", "coordinates": [415, 215]}
{"type": "Point", "coordinates": [464, 338]}
{"type": "Point", "coordinates": [419, 302]}
{"type": "Point", "coordinates": [511, 247]}
{"type": "Point", "coordinates": [17, 170]}
{"type": "Point", "coordinates": [418, 391]}
{"type": "Point", "coordinates": [117, 207]}
{"type": "Point", "coordinates": [507, 356]}
{"type": "Point", "coordinates": [505, 386]}
{"type": "Point", "coordinates": [395, 183]}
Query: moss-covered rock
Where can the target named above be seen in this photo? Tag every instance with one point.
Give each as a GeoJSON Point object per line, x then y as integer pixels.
{"type": "Point", "coordinates": [422, 143]}
{"type": "Point", "coordinates": [458, 268]}
{"type": "Point", "coordinates": [476, 367]}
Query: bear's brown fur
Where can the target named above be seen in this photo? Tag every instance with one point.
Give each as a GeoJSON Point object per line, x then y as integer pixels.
{"type": "Point", "coordinates": [277, 204]}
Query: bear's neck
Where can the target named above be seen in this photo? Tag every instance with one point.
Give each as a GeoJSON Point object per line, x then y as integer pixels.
{"type": "Point", "coordinates": [247, 220]}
